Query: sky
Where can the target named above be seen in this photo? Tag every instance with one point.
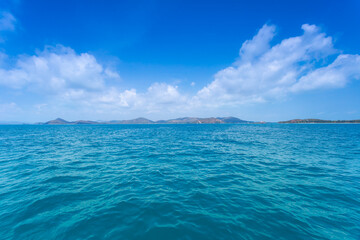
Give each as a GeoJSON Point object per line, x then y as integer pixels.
{"type": "Point", "coordinates": [110, 60]}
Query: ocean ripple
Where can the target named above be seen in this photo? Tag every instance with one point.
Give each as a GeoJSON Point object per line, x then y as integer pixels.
{"type": "Point", "coordinates": [243, 181]}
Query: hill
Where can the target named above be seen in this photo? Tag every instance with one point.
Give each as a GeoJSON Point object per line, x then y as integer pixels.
{"type": "Point", "coordinates": [311, 120]}
{"type": "Point", "coordinates": [185, 120]}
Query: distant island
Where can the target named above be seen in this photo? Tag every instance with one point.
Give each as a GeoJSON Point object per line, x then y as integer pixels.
{"type": "Point", "coordinates": [191, 120]}
{"type": "Point", "coordinates": [185, 120]}
{"type": "Point", "coordinates": [311, 120]}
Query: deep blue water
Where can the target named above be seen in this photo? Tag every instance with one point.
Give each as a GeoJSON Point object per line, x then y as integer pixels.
{"type": "Point", "coordinates": [266, 181]}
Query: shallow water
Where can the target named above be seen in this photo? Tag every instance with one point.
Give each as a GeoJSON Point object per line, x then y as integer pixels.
{"type": "Point", "coordinates": [267, 181]}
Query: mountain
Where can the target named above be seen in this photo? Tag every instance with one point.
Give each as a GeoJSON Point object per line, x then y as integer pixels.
{"type": "Point", "coordinates": [182, 120]}
{"type": "Point", "coordinates": [134, 121]}
{"type": "Point", "coordinates": [185, 120]}
{"type": "Point", "coordinates": [193, 120]}
{"type": "Point", "coordinates": [84, 122]}
{"type": "Point", "coordinates": [189, 120]}
{"type": "Point", "coordinates": [311, 120]}
{"type": "Point", "coordinates": [58, 121]}
{"type": "Point", "coordinates": [232, 120]}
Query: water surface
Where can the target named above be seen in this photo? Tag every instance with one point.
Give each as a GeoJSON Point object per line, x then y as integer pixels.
{"type": "Point", "coordinates": [241, 181]}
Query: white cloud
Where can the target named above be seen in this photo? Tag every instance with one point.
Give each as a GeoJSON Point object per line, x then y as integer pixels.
{"type": "Point", "coordinates": [79, 83]}
{"type": "Point", "coordinates": [335, 75]}
{"type": "Point", "coordinates": [264, 72]}
{"type": "Point", "coordinates": [258, 45]}
{"type": "Point", "coordinates": [122, 99]}
{"type": "Point", "coordinates": [69, 79]}
{"type": "Point", "coordinates": [55, 70]}
{"type": "Point", "coordinates": [163, 96]}
{"type": "Point", "coordinates": [163, 93]}
{"type": "Point", "coordinates": [7, 21]}
{"type": "Point", "coordinates": [158, 97]}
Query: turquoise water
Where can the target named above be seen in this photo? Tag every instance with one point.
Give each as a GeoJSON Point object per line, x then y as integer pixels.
{"type": "Point", "coordinates": [266, 181]}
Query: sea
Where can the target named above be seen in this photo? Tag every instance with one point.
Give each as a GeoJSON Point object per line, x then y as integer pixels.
{"type": "Point", "coordinates": [185, 181]}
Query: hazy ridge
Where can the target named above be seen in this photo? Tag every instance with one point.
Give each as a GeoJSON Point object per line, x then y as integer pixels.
{"type": "Point", "coordinates": [185, 120]}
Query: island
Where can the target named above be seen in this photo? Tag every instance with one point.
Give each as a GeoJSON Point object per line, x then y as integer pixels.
{"type": "Point", "coordinates": [313, 120]}
{"type": "Point", "coordinates": [185, 120]}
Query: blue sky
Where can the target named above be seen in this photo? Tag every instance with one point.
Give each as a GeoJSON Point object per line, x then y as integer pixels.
{"type": "Point", "coordinates": [102, 60]}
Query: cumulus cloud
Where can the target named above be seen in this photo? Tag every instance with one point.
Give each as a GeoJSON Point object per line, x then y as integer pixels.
{"type": "Point", "coordinates": [69, 79]}
{"type": "Point", "coordinates": [55, 70]}
{"type": "Point", "coordinates": [337, 74]}
{"type": "Point", "coordinates": [264, 72]}
{"type": "Point", "coordinates": [158, 97]}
